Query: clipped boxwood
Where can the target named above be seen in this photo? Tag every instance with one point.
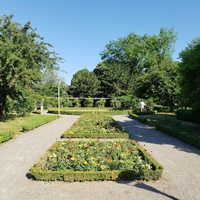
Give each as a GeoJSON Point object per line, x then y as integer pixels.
{"type": "Point", "coordinates": [36, 123]}
{"type": "Point", "coordinates": [80, 111]}
{"type": "Point", "coordinates": [5, 136]}
{"type": "Point", "coordinates": [96, 160]}
{"type": "Point", "coordinates": [184, 136]}
{"type": "Point", "coordinates": [95, 125]}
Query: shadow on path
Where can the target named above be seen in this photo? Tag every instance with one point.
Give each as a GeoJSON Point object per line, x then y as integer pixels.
{"type": "Point", "coordinates": [144, 133]}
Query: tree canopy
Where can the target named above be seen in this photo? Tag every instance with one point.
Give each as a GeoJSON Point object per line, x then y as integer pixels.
{"type": "Point", "coordinates": [84, 84]}
{"type": "Point", "coordinates": [23, 55]}
{"type": "Point", "coordinates": [190, 75]}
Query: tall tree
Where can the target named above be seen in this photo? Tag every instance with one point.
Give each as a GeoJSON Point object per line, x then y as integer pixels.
{"type": "Point", "coordinates": [190, 75]}
{"type": "Point", "coordinates": [162, 83]}
{"type": "Point", "coordinates": [84, 84]}
{"type": "Point", "coordinates": [113, 79]}
{"type": "Point", "coordinates": [23, 54]}
{"type": "Point", "coordinates": [136, 54]}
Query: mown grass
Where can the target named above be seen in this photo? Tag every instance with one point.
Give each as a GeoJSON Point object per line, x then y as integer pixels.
{"type": "Point", "coordinates": [170, 120]}
{"type": "Point", "coordinates": [168, 123]}
{"type": "Point", "coordinates": [15, 125]}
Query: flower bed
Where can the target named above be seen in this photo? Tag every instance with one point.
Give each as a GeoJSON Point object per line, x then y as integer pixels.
{"type": "Point", "coordinates": [95, 125]}
{"type": "Point", "coordinates": [96, 160]}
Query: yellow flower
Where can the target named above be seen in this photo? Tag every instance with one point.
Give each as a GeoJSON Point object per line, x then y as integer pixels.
{"type": "Point", "coordinates": [85, 162]}
{"type": "Point", "coordinates": [72, 158]}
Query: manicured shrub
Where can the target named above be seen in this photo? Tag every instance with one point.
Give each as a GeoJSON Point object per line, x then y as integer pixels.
{"type": "Point", "coordinates": [96, 160]}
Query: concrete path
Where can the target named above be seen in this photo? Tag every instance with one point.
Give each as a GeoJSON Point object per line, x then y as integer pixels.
{"type": "Point", "coordinates": [180, 178]}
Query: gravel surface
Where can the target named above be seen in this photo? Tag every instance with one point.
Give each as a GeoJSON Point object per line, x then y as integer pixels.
{"type": "Point", "coordinates": [180, 177]}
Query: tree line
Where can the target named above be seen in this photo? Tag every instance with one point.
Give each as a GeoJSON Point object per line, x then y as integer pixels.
{"type": "Point", "coordinates": [137, 65]}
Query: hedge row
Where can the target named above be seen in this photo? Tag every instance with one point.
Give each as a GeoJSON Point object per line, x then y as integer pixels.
{"type": "Point", "coordinates": [81, 112]}
{"type": "Point", "coordinates": [186, 137]}
{"type": "Point", "coordinates": [34, 124]}
{"type": "Point", "coordinates": [5, 136]}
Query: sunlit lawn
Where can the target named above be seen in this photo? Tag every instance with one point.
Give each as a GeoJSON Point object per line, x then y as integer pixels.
{"type": "Point", "coordinates": [15, 124]}
{"type": "Point", "coordinates": [170, 120]}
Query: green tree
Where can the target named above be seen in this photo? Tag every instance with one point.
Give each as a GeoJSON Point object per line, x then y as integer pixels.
{"type": "Point", "coordinates": [84, 84]}
{"type": "Point", "coordinates": [23, 55]}
{"type": "Point", "coordinates": [129, 57]}
{"type": "Point", "coordinates": [161, 82]}
{"type": "Point", "coordinates": [190, 75]}
{"type": "Point", "coordinates": [114, 79]}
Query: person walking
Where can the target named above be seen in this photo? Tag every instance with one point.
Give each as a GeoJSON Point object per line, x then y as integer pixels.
{"type": "Point", "coordinates": [142, 105]}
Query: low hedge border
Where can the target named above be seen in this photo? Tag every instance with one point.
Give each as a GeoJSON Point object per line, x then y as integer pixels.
{"type": "Point", "coordinates": [32, 125]}
{"type": "Point", "coordinates": [183, 136]}
{"type": "Point", "coordinates": [37, 173]}
{"type": "Point", "coordinates": [81, 112]}
{"type": "Point", "coordinates": [96, 135]}
{"type": "Point", "coordinates": [5, 136]}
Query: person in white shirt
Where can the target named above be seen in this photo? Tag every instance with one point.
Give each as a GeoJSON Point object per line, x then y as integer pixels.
{"type": "Point", "coordinates": [142, 105]}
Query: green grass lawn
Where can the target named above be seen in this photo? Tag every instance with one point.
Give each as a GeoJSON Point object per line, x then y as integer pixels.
{"type": "Point", "coordinates": [170, 120]}
{"type": "Point", "coordinates": [15, 125]}
{"type": "Point", "coordinates": [168, 123]}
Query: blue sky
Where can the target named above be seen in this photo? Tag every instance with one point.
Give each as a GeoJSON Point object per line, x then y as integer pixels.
{"type": "Point", "coordinates": [80, 29]}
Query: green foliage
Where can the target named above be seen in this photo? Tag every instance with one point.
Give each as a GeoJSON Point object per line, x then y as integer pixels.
{"type": "Point", "coordinates": [186, 115]}
{"type": "Point", "coordinates": [13, 125]}
{"type": "Point", "coordinates": [5, 136]}
{"type": "Point", "coordinates": [94, 160]}
{"type": "Point", "coordinates": [95, 125]}
{"type": "Point", "coordinates": [129, 102]}
{"type": "Point", "coordinates": [128, 58]}
{"type": "Point", "coordinates": [88, 102]}
{"type": "Point", "coordinates": [190, 74]}
{"type": "Point", "coordinates": [160, 108]}
{"type": "Point", "coordinates": [80, 111]}
{"type": "Point", "coordinates": [30, 125]}
{"type": "Point", "coordinates": [84, 84]}
{"type": "Point", "coordinates": [186, 132]}
{"type": "Point", "coordinates": [101, 103]}
{"type": "Point", "coordinates": [115, 102]}
{"type": "Point", "coordinates": [161, 82]}
{"type": "Point", "coordinates": [76, 103]}
{"type": "Point", "coordinates": [23, 55]}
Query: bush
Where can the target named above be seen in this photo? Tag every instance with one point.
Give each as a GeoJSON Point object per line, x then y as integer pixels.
{"type": "Point", "coordinates": [88, 102]}
{"type": "Point", "coordinates": [5, 136]}
{"type": "Point", "coordinates": [160, 108]}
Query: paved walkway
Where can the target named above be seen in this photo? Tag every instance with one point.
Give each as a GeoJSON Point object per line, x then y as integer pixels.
{"type": "Point", "coordinates": [180, 178]}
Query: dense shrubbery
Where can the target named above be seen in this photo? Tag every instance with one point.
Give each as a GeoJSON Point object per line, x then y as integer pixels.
{"type": "Point", "coordinates": [187, 115]}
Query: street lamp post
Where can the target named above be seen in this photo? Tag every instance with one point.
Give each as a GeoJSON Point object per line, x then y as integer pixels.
{"type": "Point", "coordinates": [59, 98]}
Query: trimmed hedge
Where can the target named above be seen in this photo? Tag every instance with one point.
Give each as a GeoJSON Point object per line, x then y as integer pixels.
{"type": "Point", "coordinates": [37, 171]}
{"type": "Point", "coordinates": [81, 112]}
{"type": "Point", "coordinates": [5, 136]}
{"type": "Point", "coordinates": [34, 124]}
{"type": "Point", "coordinates": [184, 136]}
